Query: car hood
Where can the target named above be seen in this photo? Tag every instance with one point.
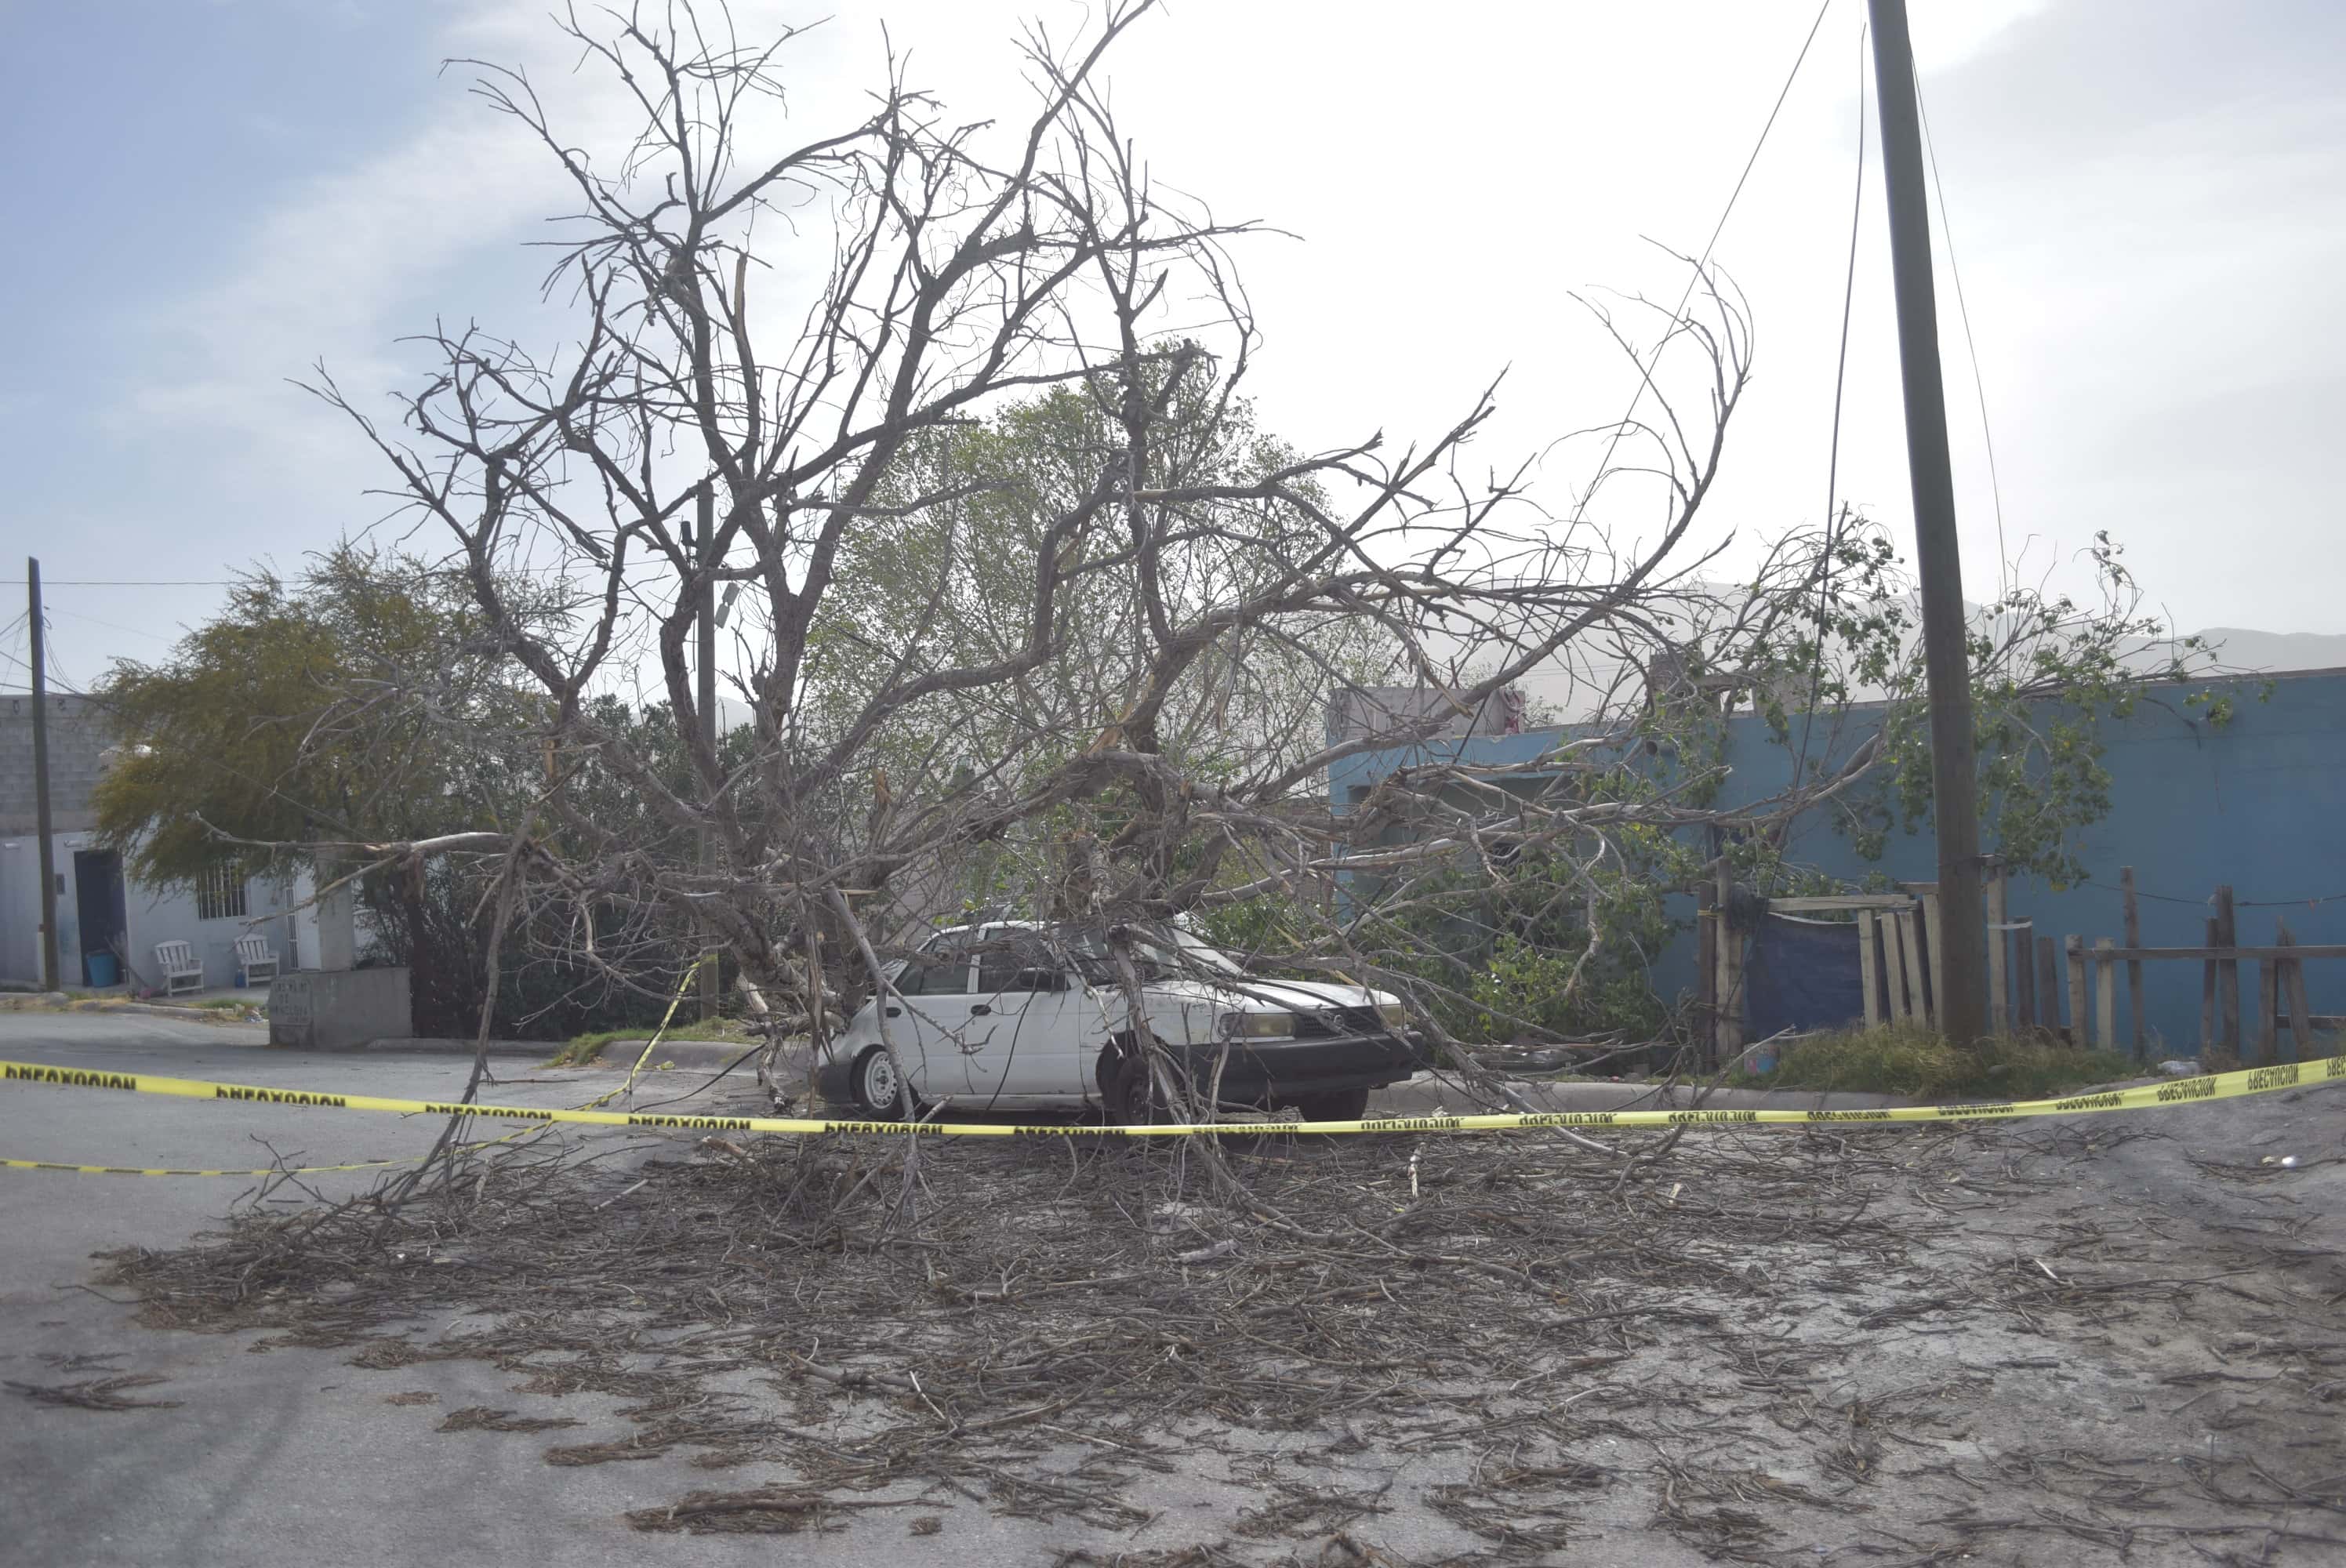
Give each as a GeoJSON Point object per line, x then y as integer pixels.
{"type": "Point", "coordinates": [1264, 995]}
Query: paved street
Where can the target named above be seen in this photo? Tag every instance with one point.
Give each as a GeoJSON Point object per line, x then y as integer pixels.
{"type": "Point", "coordinates": [289, 1457]}
{"type": "Point", "coordinates": [1851, 1340]}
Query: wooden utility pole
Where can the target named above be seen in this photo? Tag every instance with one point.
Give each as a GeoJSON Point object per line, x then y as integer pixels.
{"type": "Point", "coordinates": [705, 676]}
{"type": "Point", "coordinates": [1955, 785]}
{"type": "Point", "coordinates": [34, 632]}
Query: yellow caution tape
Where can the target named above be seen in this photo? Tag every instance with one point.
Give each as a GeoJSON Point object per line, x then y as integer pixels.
{"type": "Point", "coordinates": [2148, 1096]}
{"type": "Point", "coordinates": [649, 1045]}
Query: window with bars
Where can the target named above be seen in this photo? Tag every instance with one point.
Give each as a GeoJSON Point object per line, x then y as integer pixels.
{"type": "Point", "coordinates": [220, 895]}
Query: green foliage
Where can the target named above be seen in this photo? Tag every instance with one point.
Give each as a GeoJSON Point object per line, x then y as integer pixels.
{"type": "Point", "coordinates": [585, 1050]}
{"type": "Point", "coordinates": [1256, 928]}
{"type": "Point", "coordinates": [365, 701]}
{"type": "Point", "coordinates": [1912, 1060]}
{"type": "Point", "coordinates": [2047, 674]}
{"type": "Point", "coordinates": [948, 581]}
{"type": "Point", "coordinates": [294, 715]}
{"type": "Point", "coordinates": [1510, 956]}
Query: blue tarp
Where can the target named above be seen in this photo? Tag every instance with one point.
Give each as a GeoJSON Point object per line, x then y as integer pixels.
{"type": "Point", "coordinates": [1801, 975]}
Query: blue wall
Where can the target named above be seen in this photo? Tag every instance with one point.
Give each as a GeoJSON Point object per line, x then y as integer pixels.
{"type": "Point", "coordinates": [2259, 803]}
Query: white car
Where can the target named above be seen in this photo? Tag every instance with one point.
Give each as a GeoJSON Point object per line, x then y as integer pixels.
{"type": "Point", "coordinates": [1014, 1013]}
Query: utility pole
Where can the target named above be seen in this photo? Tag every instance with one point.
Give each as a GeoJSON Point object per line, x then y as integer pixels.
{"type": "Point", "coordinates": [1961, 986]}
{"type": "Point", "coordinates": [706, 675]}
{"type": "Point", "coordinates": [33, 632]}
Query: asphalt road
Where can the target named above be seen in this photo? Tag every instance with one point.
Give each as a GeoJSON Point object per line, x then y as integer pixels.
{"type": "Point", "coordinates": [2188, 1282]}
{"type": "Point", "coordinates": [290, 1457]}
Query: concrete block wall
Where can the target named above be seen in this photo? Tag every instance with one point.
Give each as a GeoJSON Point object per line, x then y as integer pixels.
{"type": "Point", "coordinates": [77, 741]}
{"type": "Point", "coordinates": [340, 1010]}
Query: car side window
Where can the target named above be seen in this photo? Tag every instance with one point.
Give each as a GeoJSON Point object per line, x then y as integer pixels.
{"type": "Point", "coordinates": [1015, 961]}
{"type": "Point", "coordinates": [942, 972]}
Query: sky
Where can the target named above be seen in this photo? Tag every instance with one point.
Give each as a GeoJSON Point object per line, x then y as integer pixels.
{"type": "Point", "coordinates": [2146, 201]}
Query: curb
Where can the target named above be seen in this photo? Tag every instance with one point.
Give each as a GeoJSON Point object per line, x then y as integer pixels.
{"type": "Point", "coordinates": [690, 1055]}
{"type": "Point", "coordinates": [56, 1002]}
{"type": "Point", "coordinates": [540, 1049]}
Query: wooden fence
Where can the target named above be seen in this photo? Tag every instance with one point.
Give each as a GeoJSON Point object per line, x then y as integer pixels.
{"type": "Point", "coordinates": [2028, 974]}
{"type": "Point", "coordinates": [2280, 1003]}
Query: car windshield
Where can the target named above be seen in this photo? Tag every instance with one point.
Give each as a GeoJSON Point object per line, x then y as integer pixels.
{"type": "Point", "coordinates": [1160, 951]}
{"type": "Point", "coordinates": [1178, 951]}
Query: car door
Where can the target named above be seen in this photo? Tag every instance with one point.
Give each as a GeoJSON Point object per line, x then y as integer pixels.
{"type": "Point", "coordinates": [929, 1019]}
{"type": "Point", "coordinates": [1035, 1014]}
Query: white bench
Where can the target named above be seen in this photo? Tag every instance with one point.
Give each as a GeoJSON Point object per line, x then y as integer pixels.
{"type": "Point", "coordinates": [182, 970]}
{"type": "Point", "coordinates": [254, 954]}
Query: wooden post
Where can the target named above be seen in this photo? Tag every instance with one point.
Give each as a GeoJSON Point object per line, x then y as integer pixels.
{"type": "Point", "coordinates": [1936, 945]}
{"type": "Point", "coordinates": [2133, 965]}
{"type": "Point", "coordinates": [2268, 1004]}
{"type": "Point", "coordinates": [2080, 1014]}
{"type": "Point", "coordinates": [1893, 951]}
{"type": "Point", "coordinates": [1731, 966]}
{"type": "Point", "coordinates": [2025, 974]}
{"type": "Point", "coordinates": [43, 824]}
{"type": "Point", "coordinates": [1918, 1000]}
{"type": "Point", "coordinates": [1867, 973]}
{"type": "Point", "coordinates": [2105, 996]}
{"type": "Point", "coordinates": [2228, 971]}
{"type": "Point", "coordinates": [2207, 996]}
{"type": "Point", "coordinates": [1706, 925]}
{"type": "Point", "coordinates": [2300, 1015]}
{"type": "Point", "coordinates": [1999, 1008]}
{"type": "Point", "coordinates": [2048, 983]}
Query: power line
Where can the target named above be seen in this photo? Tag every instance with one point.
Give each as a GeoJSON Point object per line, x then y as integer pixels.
{"type": "Point", "coordinates": [109, 625]}
{"type": "Point", "coordinates": [582, 568]}
{"type": "Point", "coordinates": [1970, 347]}
{"type": "Point", "coordinates": [1645, 371]}
{"type": "Point", "coordinates": [1848, 297]}
{"type": "Point", "coordinates": [1832, 460]}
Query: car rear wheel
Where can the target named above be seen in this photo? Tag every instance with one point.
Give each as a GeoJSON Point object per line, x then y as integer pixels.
{"type": "Point", "coordinates": [1336, 1105]}
{"type": "Point", "coordinates": [874, 1084]}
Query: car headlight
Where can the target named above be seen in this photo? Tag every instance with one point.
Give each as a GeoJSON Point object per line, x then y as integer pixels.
{"type": "Point", "coordinates": [1257, 1025]}
{"type": "Point", "coordinates": [1394, 1014]}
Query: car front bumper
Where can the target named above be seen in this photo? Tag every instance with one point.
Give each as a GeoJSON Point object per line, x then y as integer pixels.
{"type": "Point", "coordinates": [1259, 1071]}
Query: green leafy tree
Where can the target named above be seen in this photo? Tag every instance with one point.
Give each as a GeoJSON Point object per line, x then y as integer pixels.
{"type": "Point", "coordinates": [2048, 673]}
{"type": "Point", "coordinates": [345, 705]}
{"type": "Point", "coordinates": [950, 585]}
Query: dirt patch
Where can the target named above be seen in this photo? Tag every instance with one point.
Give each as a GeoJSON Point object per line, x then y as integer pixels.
{"type": "Point", "coordinates": [2099, 1339]}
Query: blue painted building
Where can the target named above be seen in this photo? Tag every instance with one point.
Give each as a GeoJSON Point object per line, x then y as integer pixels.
{"type": "Point", "coordinates": [2258, 802]}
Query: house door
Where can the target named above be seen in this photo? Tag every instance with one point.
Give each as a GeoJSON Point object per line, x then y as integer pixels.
{"type": "Point", "coordinates": [97, 895]}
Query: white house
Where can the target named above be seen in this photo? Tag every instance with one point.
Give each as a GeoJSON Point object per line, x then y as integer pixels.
{"type": "Point", "coordinates": [99, 911]}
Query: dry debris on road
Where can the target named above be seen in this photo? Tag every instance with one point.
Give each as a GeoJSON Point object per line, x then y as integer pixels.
{"type": "Point", "coordinates": [2080, 1340]}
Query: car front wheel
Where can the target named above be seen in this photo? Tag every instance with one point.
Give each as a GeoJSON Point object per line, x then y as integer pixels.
{"type": "Point", "coordinates": [1136, 1099]}
{"type": "Point", "coordinates": [877, 1089]}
